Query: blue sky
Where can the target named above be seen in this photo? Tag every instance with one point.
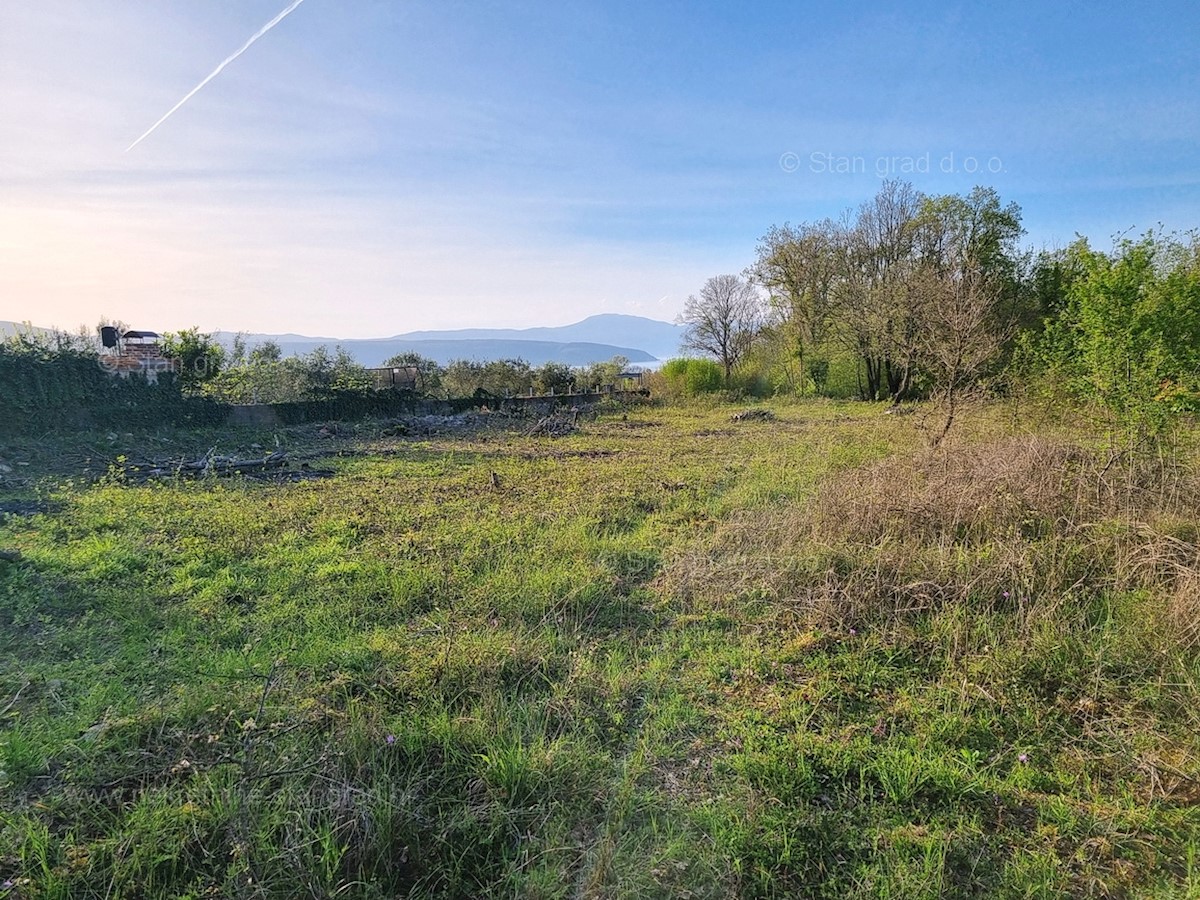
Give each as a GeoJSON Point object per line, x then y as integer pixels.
{"type": "Point", "coordinates": [369, 167]}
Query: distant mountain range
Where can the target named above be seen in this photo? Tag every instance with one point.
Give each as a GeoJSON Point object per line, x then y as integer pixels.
{"type": "Point", "coordinates": [375, 351]}
{"type": "Point", "coordinates": [659, 339]}
{"type": "Point", "coordinates": [596, 339]}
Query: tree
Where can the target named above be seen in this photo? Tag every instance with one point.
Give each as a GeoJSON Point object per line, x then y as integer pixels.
{"type": "Point", "coordinates": [960, 333]}
{"type": "Point", "coordinates": [866, 285]}
{"type": "Point", "coordinates": [876, 300]}
{"type": "Point", "coordinates": [507, 377]}
{"type": "Point", "coordinates": [799, 268]}
{"type": "Point", "coordinates": [690, 377]}
{"type": "Point", "coordinates": [237, 353]}
{"type": "Point", "coordinates": [349, 375]}
{"type": "Point", "coordinates": [972, 232]}
{"type": "Point", "coordinates": [723, 320]}
{"type": "Point", "coordinates": [200, 357]}
{"type": "Point", "coordinates": [597, 375]}
{"type": "Point", "coordinates": [498, 377]}
{"type": "Point", "coordinates": [552, 376]}
{"type": "Point", "coordinates": [976, 236]}
{"type": "Point", "coordinates": [266, 352]}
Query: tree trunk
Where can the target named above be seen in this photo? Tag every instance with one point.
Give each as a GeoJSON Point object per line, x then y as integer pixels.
{"type": "Point", "coordinates": [874, 374]}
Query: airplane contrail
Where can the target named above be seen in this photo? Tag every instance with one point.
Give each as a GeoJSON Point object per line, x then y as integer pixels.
{"type": "Point", "coordinates": [217, 71]}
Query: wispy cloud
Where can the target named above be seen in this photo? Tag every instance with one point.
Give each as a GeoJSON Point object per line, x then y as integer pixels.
{"type": "Point", "coordinates": [217, 71]}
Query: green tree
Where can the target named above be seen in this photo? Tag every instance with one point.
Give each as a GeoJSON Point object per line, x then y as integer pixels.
{"type": "Point", "coordinates": [552, 376]}
{"type": "Point", "coordinates": [870, 286]}
{"type": "Point", "coordinates": [973, 232]}
{"type": "Point", "coordinates": [602, 374]}
{"type": "Point", "coordinates": [498, 377]}
{"type": "Point", "coordinates": [507, 377]}
{"type": "Point", "coordinates": [199, 356]}
{"type": "Point", "coordinates": [266, 352]}
{"type": "Point", "coordinates": [324, 374]}
{"type": "Point", "coordinates": [237, 353]}
{"type": "Point", "coordinates": [800, 268]}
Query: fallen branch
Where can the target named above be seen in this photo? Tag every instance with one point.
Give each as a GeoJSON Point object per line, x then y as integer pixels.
{"type": "Point", "coordinates": [207, 466]}
{"type": "Point", "coordinates": [753, 415]}
{"type": "Point", "coordinates": [13, 701]}
{"type": "Point", "coordinates": [556, 425]}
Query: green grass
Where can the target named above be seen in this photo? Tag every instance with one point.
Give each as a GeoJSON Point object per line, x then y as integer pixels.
{"type": "Point", "coordinates": [668, 656]}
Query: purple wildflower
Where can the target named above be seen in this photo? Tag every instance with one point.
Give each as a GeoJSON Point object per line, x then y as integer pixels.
{"type": "Point", "coordinates": [1006, 595]}
{"type": "Point", "coordinates": [853, 632]}
{"type": "Point", "coordinates": [390, 739]}
{"type": "Point", "coordinates": [1023, 758]}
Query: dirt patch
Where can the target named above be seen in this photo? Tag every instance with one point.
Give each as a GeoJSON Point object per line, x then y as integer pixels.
{"type": "Point", "coordinates": [24, 507]}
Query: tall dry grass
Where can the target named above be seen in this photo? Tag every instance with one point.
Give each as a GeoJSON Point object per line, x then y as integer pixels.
{"type": "Point", "coordinates": [1026, 522]}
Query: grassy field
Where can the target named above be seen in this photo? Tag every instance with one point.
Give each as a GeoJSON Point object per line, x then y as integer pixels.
{"type": "Point", "coordinates": [670, 655]}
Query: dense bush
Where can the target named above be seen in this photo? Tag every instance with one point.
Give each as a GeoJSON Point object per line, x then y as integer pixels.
{"type": "Point", "coordinates": [499, 377]}
{"type": "Point", "coordinates": [1124, 333]}
{"type": "Point", "coordinates": [691, 377]}
{"type": "Point", "coordinates": [268, 378]}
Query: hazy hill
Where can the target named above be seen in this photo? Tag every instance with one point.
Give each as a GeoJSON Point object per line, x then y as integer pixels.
{"type": "Point", "coordinates": [595, 339]}
{"type": "Point", "coordinates": [659, 339]}
{"type": "Point", "coordinates": [374, 352]}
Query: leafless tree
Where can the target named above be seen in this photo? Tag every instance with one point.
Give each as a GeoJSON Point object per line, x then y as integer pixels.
{"type": "Point", "coordinates": [723, 320]}
{"type": "Point", "coordinates": [960, 334]}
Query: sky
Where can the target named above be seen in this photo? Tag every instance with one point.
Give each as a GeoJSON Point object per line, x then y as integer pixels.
{"type": "Point", "coordinates": [368, 168]}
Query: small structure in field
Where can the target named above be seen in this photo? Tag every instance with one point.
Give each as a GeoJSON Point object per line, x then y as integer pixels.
{"type": "Point", "coordinates": [397, 378]}
{"type": "Point", "coordinates": [631, 380]}
{"type": "Point", "coordinates": [134, 352]}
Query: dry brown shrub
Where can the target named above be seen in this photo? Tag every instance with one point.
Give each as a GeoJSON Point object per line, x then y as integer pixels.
{"type": "Point", "coordinates": [1024, 485]}
{"type": "Point", "coordinates": [1183, 609]}
{"type": "Point", "coordinates": [1153, 559]}
{"type": "Point", "coordinates": [1024, 522]}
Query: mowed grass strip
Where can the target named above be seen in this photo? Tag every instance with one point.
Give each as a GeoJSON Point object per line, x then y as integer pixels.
{"type": "Point", "coordinates": [671, 655]}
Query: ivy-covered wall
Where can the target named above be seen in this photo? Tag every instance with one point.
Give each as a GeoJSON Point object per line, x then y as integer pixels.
{"type": "Point", "coordinates": [48, 388]}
